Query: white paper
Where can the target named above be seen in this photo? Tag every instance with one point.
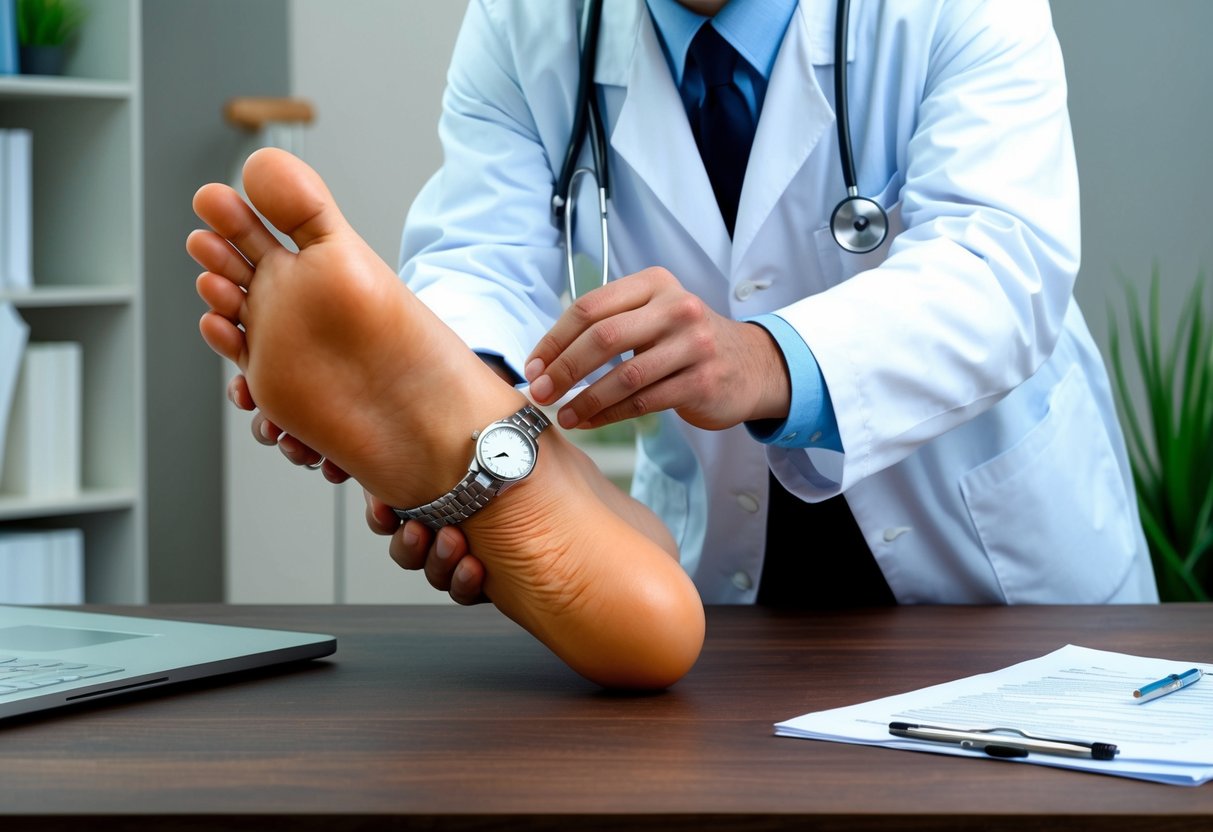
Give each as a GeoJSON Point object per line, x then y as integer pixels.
{"type": "Point", "coordinates": [1072, 693]}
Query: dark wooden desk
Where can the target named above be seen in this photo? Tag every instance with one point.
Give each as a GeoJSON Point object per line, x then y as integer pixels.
{"type": "Point", "coordinates": [453, 718]}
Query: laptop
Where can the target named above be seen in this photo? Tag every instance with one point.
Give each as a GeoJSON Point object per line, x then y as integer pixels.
{"type": "Point", "coordinates": [50, 658]}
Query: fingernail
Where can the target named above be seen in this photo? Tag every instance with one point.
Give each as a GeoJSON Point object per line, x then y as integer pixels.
{"type": "Point", "coordinates": [534, 368]}
{"type": "Point", "coordinates": [410, 537]}
{"type": "Point", "coordinates": [461, 574]}
{"type": "Point", "coordinates": [567, 418]}
{"type": "Point", "coordinates": [444, 548]}
{"type": "Point", "coordinates": [541, 388]}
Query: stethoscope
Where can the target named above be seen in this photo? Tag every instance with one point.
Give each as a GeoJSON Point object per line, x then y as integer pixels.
{"type": "Point", "coordinates": [859, 224]}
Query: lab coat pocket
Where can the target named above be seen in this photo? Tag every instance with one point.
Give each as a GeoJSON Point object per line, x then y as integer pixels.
{"type": "Point", "coordinates": [667, 496]}
{"type": "Point", "coordinates": [1052, 512]}
{"type": "Point", "coordinates": [836, 264]}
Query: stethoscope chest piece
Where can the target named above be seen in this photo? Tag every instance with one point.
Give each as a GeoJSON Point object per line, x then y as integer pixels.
{"type": "Point", "coordinates": [859, 224]}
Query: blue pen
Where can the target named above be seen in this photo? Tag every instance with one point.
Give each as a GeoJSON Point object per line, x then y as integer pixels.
{"type": "Point", "coordinates": [1167, 684]}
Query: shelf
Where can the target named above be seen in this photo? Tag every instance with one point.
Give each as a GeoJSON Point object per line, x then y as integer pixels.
{"type": "Point", "coordinates": [66, 296]}
{"type": "Point", "coordinates": [86, 248]}
{"type": "Point", "coordinates": [38, 87]}
{"type": "Point", "coordinates": [18, 507]}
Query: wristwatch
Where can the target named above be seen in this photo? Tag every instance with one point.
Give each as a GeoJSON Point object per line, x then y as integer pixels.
{"type": "Point", "coordinates": [505, 453]}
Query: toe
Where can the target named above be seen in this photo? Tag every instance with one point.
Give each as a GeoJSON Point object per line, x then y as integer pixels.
{"type": "Point", "coordinates": [222, 296]}
{"type": "Point", "coordinates": [238, 393]}
{"type": "Point", "coordinates": [291, 195]}
{"type": "Point", "coordinates": [225, 338]}
{"type": "Point", "coordinates": [216, 254]}
{"type": "Point", "coordinates": [231, 218]}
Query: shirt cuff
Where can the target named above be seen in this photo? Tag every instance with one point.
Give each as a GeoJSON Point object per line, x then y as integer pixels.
{"type": "Point", "coordinates": [811, 422]}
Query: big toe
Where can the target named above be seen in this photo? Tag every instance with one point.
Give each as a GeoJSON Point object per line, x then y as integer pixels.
{"type": "Point", "coordinates": [291, 195]}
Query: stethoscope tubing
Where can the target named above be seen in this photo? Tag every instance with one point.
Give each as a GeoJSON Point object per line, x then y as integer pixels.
{"type": "Point", "coordinates": [587, 120]}
{"type": "Point", "coordinates": [859, 224]}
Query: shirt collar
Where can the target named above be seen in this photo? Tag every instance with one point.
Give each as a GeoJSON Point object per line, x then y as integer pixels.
{"type": "Point", "coordinates": [755, 28]}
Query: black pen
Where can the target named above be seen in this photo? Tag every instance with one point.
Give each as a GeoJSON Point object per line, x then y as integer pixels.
{"type": "Point", "coordinates": [1003, 742]}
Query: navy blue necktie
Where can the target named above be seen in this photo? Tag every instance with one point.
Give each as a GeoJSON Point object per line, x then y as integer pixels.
{"type": "Point", "coordinates": [722, 123]}
{"type": "Point", "coordinates": [816, 556]}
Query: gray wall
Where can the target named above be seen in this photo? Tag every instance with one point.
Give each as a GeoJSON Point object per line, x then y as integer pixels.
{"type": "Point", "coordinates": [1142, 108]}
{"type": "Point", "coordinates": [1140, 100]}
{"type": "Point", "coordinates": [375, 70]}
{"type": "Point", "coordinates": [1138, 95]}
{"type": "Point", "coordinates": [196, 55]}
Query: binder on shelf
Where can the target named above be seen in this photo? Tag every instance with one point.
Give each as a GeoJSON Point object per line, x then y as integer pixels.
{"type": "Point", "coordinates": [16, 213]}
{"type": "Point", "coordinates": [8, 38]}
{"type": "Point", "coordinates": [4, 210]}
{"type": "Point", "coordinates": [43, 456]}
{"type": "Point", "coordinates": [42, 567]}
{"type": "Point", "coordinates": [14, 333]}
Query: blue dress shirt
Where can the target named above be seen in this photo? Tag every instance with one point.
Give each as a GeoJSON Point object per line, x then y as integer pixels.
{"type": "Point", "coordinates": [755, 28]}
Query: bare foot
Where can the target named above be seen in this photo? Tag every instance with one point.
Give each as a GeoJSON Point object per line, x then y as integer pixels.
{"type": "Point", "coordinates": [339, 353]}
{"type": "Point", "coordinates": [348, 347]}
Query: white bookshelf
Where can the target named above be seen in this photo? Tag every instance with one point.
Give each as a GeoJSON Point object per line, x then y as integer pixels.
{"type": "Point", "coordinates": [88, 284]}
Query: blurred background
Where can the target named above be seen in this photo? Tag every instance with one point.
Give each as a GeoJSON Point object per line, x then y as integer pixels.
{"type": "Point", "coordinates": [177, 501]}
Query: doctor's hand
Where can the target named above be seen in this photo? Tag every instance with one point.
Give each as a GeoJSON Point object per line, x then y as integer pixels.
{"type": "Point", "coordinates": [713, 371]}
{"type": "Point", "coordinates": [443, 557]}
{"type": "Point", "coordinates": [267, 433]}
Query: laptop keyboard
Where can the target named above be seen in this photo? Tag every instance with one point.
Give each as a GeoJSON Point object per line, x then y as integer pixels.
{"type": "Point", "coordinates": [18, 674]}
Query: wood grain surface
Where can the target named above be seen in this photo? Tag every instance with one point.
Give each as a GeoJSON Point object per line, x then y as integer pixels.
{"type": "Point", "coordinates": [453, 718]}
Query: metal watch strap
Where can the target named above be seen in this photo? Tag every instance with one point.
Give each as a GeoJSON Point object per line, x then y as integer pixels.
{"type": "Point", "coordinates": [477, 487]}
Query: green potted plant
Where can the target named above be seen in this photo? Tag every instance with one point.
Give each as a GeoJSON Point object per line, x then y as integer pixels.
{"type": "Point", "coordinates": [45, 29]}
{"type": "Point", "coordinates": [1168, 414]}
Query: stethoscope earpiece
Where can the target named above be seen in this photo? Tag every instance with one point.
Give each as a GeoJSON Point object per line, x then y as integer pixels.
{"type": "Point", "coordinates": [859, 224]}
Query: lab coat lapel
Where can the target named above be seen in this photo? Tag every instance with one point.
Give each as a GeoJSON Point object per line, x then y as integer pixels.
{"type": "Point", "coordinates": [651, 133]}
{"type": "Point", "coordinates": [795, 118]}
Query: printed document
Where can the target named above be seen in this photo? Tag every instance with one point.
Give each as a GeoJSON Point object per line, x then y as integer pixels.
{"type": "Point", "coordinates": [1073, 693]}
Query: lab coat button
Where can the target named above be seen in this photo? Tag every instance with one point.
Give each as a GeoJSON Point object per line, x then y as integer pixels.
{"type": "Point", "coordinates": [744, 289]}
{"type": "Point", "coordinates": [742, 581]}
{"type": "Point", "coordinates": [748, 502]}
{"type": "Point", "coordinates": [897, 531]}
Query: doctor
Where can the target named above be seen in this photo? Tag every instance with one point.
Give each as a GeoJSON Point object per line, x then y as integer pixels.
{"type": "Point", "coordinates": [925, 422]}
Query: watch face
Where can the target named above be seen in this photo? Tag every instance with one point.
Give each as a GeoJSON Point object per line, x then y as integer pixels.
{"type": "Point", "coordinates": [506, 452]}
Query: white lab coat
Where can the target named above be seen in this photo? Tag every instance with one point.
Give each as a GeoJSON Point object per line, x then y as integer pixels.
{"type": "Point", "coordinates": [983, 461]}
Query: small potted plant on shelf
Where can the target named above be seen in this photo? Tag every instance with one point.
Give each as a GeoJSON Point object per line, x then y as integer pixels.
{"type": "Point", "coordinates": [1168, 413]}
{"type": "Point", "coordinates": [45, 29]}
